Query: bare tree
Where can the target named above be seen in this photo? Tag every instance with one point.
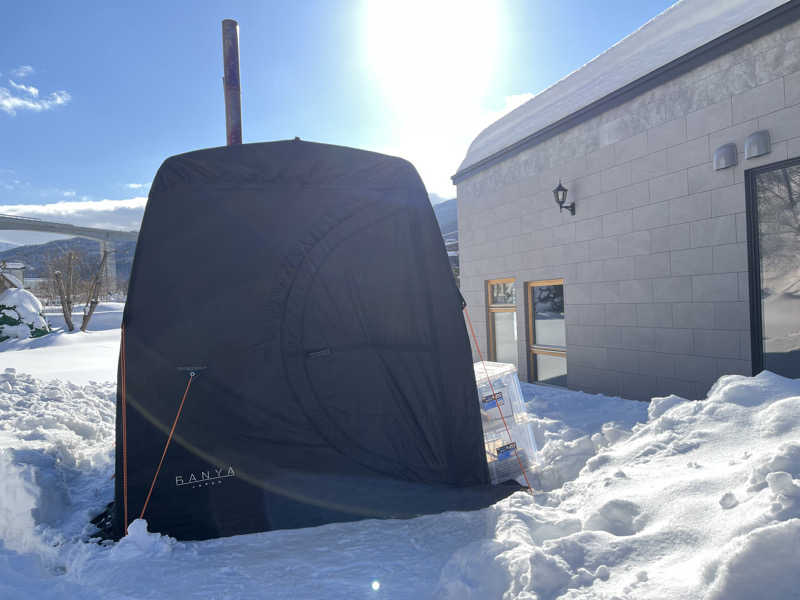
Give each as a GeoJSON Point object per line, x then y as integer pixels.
{"type": "Point", "coordinates": [73, 276]}
{"type": "Point", "coordinates": [93, 292]}
{"type": "Point", "coordinates": [64, 280]}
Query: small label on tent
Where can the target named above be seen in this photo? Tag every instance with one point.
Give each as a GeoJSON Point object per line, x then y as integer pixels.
{"type": "Point", "coordinates": [209, 477]}
{"type": "Point", "coordinates": [318, 353]}
{"type": "Point", "coordinates": [490, 401]}
{"type": "Point", "coordinates": [504, 452]}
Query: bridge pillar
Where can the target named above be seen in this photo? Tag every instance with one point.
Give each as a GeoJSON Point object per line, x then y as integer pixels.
{"type": "Point", "coordinates": [109, 276]}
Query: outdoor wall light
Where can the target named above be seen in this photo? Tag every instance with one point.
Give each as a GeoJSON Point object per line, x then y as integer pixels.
{"type": "Point", "coordinates": [560, 194]}
{"type": "Point", "coordinates": [757, 144]}
{"type": "Point", "coordinates": [725, 157]}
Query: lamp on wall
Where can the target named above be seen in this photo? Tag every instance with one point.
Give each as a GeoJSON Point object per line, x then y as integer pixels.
{"type": "Point", "coordinates": [757, 144]}
{"type": "Point", "coordinates": [560, 194]}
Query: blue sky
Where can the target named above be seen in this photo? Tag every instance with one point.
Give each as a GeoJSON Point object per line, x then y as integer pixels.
{"type": "Point", "coordinates": [95, 95]}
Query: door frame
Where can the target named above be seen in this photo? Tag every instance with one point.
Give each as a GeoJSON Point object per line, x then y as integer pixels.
{"type": "Point", "coordinates": [754, 260]}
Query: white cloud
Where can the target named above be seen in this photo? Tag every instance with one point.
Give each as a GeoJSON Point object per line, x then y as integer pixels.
{"type": "Point", "coordinates": [28, 89]}
{"type": "Point", "coordinates": [69, 193]}
{"type": "Point", "coordinates": [26, 97]}
{"type": "Point", "coordinates": [22, 71]}
{"type": "Point", "coordinates": [11, 103]}
{"type": "Point", "coordinates": [135, 186]}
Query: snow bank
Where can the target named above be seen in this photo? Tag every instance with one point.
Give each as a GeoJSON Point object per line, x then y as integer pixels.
{"type": "Point", "coordinates": [686, 500]}
{"type": "Point", "coordinates": [572, 427]}
{"type": "Point", "coordinates": [762, 564]}
{"type": "Point", "coordinates": [702, 500]}
{"type": "Point", "coordinates": [77, 357]}
{"type": "Point", "coordinates": [56, 442]}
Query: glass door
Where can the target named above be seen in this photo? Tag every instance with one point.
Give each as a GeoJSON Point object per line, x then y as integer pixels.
{"type": "Point", "coordinates": [773, 218]}
{"type": "Point", "coordinates": [547, 340]}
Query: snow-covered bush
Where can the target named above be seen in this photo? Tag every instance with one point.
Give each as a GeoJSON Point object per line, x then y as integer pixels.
{"type": "Point", "coordinates": [21, 315]}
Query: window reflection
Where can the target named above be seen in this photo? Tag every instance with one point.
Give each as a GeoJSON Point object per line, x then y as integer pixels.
{"type": "Point", "coordinates": [547, 340]}
{"type": "Point", "coordinates": [548, 315]}
{"type": "Point", "coordinates": [502, 320]}
{"type": "Point", "coordinates": [505, 330]}
{"type": "Point", "coordinates": [778, 212]}
{"type": "Point", "coordinates": [503, 293]}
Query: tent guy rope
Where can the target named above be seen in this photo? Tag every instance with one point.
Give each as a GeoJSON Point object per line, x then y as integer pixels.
{"type": "Point", "coordinates": [124, 434]}
{"type": "Point", "coordinates": [192, 375]}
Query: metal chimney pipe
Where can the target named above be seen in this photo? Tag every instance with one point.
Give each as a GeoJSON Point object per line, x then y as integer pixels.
{"type": "Point", "coordinates": [233, 92]}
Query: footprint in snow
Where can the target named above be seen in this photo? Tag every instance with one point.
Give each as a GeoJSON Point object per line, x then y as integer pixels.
{"type": "Point", "coordinates": [728, 501]}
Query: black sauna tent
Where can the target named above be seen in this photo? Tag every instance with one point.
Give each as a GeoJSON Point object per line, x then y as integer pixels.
{"type": "Point", "coordinates": [308, 288]}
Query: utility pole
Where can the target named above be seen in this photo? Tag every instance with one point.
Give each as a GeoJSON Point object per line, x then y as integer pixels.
{"type": "Point", "coordinates": [233, 92]}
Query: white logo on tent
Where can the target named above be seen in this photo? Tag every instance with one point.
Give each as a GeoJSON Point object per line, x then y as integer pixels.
{"type": "Point", "coordinates": [214, 476]}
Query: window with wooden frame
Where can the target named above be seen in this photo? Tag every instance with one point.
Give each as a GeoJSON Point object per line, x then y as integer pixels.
{"type": "Point", "coordinates": [547, 341]}
{"type": "Point", "coordinates": [501, 320]}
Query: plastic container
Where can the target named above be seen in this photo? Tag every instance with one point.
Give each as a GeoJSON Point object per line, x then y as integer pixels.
{"type": "Point", "coordinates": [503, 452]}
{"type": "Point", "coordinates": [507, 395]}
{"type": "Point", "coordinates": [503, 461]}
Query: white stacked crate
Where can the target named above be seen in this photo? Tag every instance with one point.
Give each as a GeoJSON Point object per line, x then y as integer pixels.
{"type": "Point", "coordinates": [504, 395]}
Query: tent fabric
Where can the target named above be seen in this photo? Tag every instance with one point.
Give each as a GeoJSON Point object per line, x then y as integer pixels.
{"type": "Point", "coordinates": [308, 287]}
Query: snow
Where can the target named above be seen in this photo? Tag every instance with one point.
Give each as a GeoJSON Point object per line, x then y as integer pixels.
{"type": "Point", "coordinates": [107, 315]}
{"type": "Point", "coordinates": [667, 499]}
{"type": "Point", "coordinates": [78, 357]}
{"type": "Point", "coordinates": [19, 305]}
{"type": "Point", "coordinates": [27, 305]}
{"type": "Point", "coordinates": [683, 27]}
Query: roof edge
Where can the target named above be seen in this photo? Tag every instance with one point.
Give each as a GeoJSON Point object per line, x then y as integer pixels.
{"type": "Point", "coordinates": [762, 25]}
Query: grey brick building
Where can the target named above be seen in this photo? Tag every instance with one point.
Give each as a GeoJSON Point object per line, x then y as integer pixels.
{"type": "Point", "coordinates": [680, 148]}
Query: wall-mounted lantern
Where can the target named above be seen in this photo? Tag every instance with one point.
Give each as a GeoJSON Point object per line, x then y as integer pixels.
{"type": "Point", "coordinates": [560, 194]}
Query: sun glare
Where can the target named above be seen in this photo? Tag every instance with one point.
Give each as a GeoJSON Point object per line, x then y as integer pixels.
{"type": "Point", "coordinates": [418, 48]}
{"type": "Point", "coordinates": [432, 64]}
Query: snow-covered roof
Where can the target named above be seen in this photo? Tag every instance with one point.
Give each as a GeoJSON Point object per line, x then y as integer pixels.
{"type": "Point", "coordinates": [13, 265]}
{"type": "Point", "coordinates": [682, 28]}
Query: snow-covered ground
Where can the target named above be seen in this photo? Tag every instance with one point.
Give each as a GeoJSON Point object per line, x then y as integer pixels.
{"type": "Point", "coordinates": [77, 357]}
{"type": "Point", "coordinates": [674, 499]}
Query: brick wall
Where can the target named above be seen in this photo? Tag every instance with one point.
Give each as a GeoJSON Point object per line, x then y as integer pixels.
{"type": "Point", "coordinates": [655, 260]}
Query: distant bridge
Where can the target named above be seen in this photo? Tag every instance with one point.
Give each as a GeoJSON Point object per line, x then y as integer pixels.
{"type": "Point", "coordinates": [104, 236]}
{"type": "Point", "coordinates": [94, 233]}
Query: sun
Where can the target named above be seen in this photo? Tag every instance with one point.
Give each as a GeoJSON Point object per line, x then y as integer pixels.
{"type": "Point", "coordinates": [431, 65]}
{"type": "Point", "coordinates": [419, 48]}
